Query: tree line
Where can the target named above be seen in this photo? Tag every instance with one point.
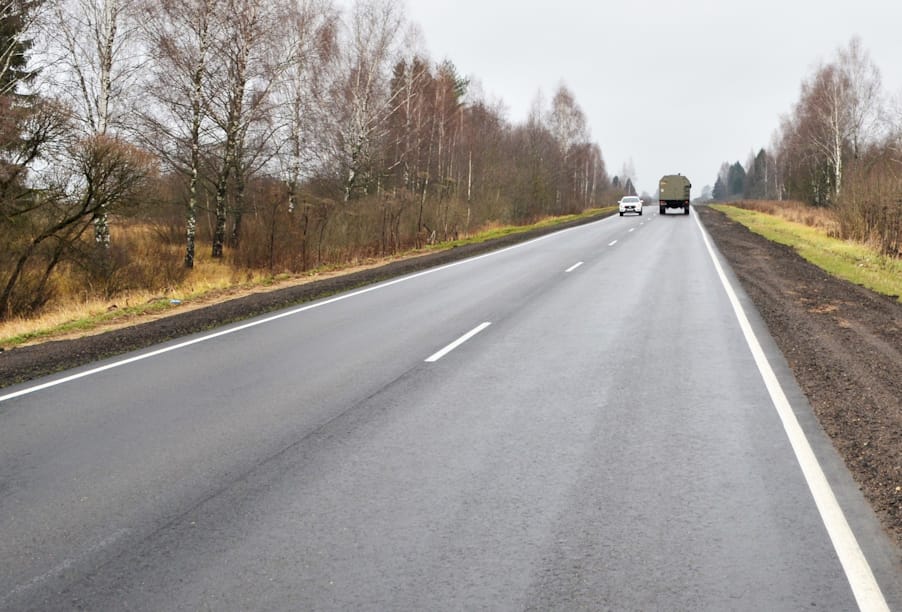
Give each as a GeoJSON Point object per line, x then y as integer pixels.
{"type": "Point", "coordinates": [139, 135]}
{"type": "Point", "coordinates": [839, 147]}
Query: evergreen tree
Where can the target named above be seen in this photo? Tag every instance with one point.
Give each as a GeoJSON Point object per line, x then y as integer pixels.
{"type": "Point", "coordinates": [736, 180]}
{"type": "Point", "coordinates": [14, 46]}
{"type": "Point", "coordinates": [16, 150]}
{"type": "Point", "coordinates": [756, 179]}
{"type": "Point", "coordinates": [720, 190]}
{"type": "Point", "coordinates": [629, 189]}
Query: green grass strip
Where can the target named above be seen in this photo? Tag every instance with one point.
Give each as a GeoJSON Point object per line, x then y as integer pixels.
{"type": "Point", "coordinates": [851, 261]}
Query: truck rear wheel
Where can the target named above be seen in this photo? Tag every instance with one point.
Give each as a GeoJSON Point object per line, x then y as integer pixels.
{"type": "Point", "coordinates": [663, 210]}
{"type": "Point", "coordinates": [685, 210]}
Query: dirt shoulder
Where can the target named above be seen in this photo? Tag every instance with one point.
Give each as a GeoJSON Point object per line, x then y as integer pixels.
{"type": "Point", "coordinates": [844, 345]}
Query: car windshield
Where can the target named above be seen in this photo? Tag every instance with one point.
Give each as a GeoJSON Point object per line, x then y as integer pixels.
{"type": "Point", "coordinates": [630, 200]}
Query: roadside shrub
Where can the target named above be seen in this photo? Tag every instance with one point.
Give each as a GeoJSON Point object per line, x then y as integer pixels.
{"type": "Point", "coordinates": [135, 261]}
{"type": "Point", "coordinates": [870, 209]}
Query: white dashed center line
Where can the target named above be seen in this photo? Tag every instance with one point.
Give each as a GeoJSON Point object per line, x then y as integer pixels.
{"type": "Point", "coordinates": [573, 267]}
{"type": "Point", "coordinates": [435, 357]}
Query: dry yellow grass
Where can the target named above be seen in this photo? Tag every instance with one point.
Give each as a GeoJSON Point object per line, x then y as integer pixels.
{"type": "Point", "coordinates": [797, 212]}
{"type": "Point", "coordinates": [210, 282]}
{"type": "Point", "coordinates": [69, 315]}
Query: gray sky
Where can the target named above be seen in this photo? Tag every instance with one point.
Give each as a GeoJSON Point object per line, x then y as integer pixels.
{"type": "Point", "coordinates": [672, 86]}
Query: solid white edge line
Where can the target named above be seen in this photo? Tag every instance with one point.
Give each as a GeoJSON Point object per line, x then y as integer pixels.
{"type": "Point", "coordinates": [573, 267]}
{"type": "Point", "coordinates": [438, 355]}
{"type": "Point", "coordinates": [861, 578]}
{"type": "Point", "coordinates": [289, 313]}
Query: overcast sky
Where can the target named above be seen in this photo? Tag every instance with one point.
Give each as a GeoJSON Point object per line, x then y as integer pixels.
{"type": "Point", "coordinates": [672, 86]}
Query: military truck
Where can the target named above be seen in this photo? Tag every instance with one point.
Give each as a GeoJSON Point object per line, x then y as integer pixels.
{"type": "Point", "coordinates": [674, 193]}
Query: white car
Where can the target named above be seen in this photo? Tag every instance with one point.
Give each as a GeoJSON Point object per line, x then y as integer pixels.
{"type": "Point", "coordinates": [630, 204]}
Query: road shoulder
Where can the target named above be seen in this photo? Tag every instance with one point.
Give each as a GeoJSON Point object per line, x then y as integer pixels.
{"type": "Point", "coordinates": [843, 344]}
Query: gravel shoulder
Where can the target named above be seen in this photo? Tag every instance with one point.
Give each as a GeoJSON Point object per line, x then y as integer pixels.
{"type": "Point", "coordinates": [843, 343]}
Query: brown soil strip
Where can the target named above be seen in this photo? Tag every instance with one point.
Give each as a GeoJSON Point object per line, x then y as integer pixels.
{"type": "Point", "coordinates": [844, 345]}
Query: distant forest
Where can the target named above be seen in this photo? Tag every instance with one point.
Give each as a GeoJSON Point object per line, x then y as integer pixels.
{"type": "Point", "coordinates": [141, 137]}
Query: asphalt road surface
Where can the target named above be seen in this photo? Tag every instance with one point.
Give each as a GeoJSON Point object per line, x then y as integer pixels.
{"type": "Point", "coordinates": [578, 422]}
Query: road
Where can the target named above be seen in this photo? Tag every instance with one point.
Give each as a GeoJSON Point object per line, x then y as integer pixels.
{"type": "Point", "coordinates": [577, 422]}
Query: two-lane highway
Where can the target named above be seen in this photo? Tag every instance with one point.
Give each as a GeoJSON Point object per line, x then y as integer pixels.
{"type": "Point", "coordinates": [577, 422]}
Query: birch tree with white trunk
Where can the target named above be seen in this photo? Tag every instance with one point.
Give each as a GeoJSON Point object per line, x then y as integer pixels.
{"type": "Point", "coordinates": [310, 50]}
{"type": "Point", "coordinates": [179, 36]}
{"type": "Point", "coordinates": [375, 43]}
{"type": "Point", "coordinates": [865, 97]}
{"type": "Point", "coordinates": [567, 123]}
{"type": "Point", "coordinates": [840, 106]}
{"type": "Point", "coordinates": [93, 49]}
{"type": "Point", "coordinates": [242, 80]}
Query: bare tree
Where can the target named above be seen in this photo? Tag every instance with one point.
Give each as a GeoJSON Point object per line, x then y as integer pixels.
{"type": "Point", "coordinates": [57, 215]}
{"type": "Point", "coordinates": [242, 79]}
{"type": "Point", "coordinates": [893, 122]}
{"type": "Point", "coordinates": [534, 166]}
{"type": "Point", "coordinates": [309, 47]}
{"type": "Point", "coordinates": [93, 46]}
{"type": "Point", "coordinates": [567, 123]}
{"type": "Point", "coordinates": [176, 126]}
{"type": "Point", "coordinates": [409, 140]}
{"type": "Point", "coordinates": [865, 103]}
{"type": "Point", "coordinates": [566, 120]}
{"type": "Point", "coordinates": [439, 123]}
{"type": "Point", "coordinates": [375, 42]}
{"type": "Point", "coordinates": [839, 107]}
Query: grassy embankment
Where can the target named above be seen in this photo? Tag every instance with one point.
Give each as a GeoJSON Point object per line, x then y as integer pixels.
{"type": "Point", "coordinates": [212, 282]}
{"type": "Point", "coordinates": [810, 233]}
